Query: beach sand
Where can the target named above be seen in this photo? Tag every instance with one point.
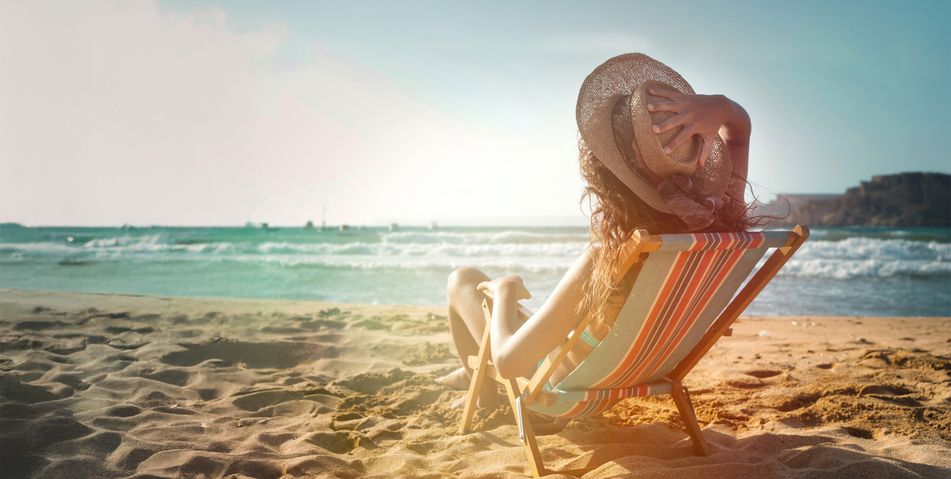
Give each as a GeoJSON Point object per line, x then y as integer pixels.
{"type": "Point", "coordinates": [146, 387]}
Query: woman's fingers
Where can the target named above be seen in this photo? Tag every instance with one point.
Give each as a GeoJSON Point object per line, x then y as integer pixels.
{"type": "Point", "coordinates": [521, 292]}
{"type": "Point", "coordinates": [681, 136]}
{"type": "Point", "coordinates": [674, 106]}
{"type": "Point", "coordinates": [514, 282]}
{"type": "Point", "coordinates": [525, 293]}
{"type": "Point", "coordinates": [669, 123]}
{"type": "Point", "coordinates": [705, 150]}
{"type": "Point", "coordinates": [665, 92]}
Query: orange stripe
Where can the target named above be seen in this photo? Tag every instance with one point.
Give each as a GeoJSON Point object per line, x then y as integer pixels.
{"type": "Point", "coordinates": [649, 322]}
{"type": "Point", "coordinates": [700, 303]}
{"type": "Point", "coordinates": [678, 324]}
{"type": "Point", "coordinates": [648, 336]}
{"type": "Point", "coordinates": [671, 325]}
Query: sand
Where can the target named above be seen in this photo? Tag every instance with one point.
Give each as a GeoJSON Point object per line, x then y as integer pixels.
{"type": "Point", "coordinates": [148, 387]}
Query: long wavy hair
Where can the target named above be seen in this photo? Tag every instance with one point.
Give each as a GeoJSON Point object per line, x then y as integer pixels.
{"type": "Point", "coordinates": [616, 213]}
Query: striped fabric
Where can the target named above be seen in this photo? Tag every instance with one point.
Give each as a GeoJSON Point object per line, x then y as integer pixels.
{"type": "Point", "coordinates": [679, 292]}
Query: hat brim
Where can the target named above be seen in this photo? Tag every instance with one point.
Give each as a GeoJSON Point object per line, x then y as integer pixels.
{"type": "Point", "coordinates": [613, 80]}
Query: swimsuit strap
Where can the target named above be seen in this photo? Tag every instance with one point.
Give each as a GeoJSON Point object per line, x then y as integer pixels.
{"type": "Point", "coordinates": [589, 339]}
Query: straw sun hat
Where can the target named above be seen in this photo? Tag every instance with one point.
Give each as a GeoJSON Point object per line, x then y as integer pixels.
{"type": "Point", "coordinates": [615, 124]}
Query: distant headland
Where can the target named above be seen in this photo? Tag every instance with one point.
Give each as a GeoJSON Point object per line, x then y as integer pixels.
{"type": "Point", "coordinates": [904, 199]}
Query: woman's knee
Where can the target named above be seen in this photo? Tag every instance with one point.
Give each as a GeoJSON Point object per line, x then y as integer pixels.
{"type": "Point", "coordinates": [464, 278]}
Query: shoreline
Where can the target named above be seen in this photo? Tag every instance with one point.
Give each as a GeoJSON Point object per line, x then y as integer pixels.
{"type": "Point", "coordinates": [74, 298]}
{"type": "Point", "coordinates": [115, 385]}
{"type": "Point", "coordinates": [24, 296]}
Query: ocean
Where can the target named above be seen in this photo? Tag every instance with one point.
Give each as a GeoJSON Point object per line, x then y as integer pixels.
{"type": "Point", "coordinates": [839, 271]}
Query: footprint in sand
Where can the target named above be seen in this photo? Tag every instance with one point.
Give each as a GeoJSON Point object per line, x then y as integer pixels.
{"type": "Point", "coordinates": [898, 395]}
{"type": "Point", "coordinates": [270, 400]}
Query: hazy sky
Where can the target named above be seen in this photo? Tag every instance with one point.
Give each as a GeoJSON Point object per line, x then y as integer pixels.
{"type": "Point", "coordinates": [190, 112]}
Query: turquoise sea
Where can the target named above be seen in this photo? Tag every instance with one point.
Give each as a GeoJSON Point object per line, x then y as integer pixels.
{"type": "Point", "coordinates": [843, 271]}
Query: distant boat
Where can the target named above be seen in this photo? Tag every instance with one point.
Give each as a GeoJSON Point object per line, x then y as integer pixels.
{"type": "Point", "coordinates": [394, 226]}
{"type": "Point", "coordinates": [309, 225]}
{"type": "Point", "coordinates": [433, 225]}
{"type": "Point", "coordinates": [344, 228]}
{"type": "Point", "coordinates": [250, 224]}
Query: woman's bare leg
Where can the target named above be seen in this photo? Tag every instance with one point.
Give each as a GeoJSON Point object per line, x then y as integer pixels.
{"type": "Point", "coordinates": [467, 324]}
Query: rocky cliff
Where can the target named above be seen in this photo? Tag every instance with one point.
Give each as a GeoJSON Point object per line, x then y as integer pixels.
{"type": "Point", "coordinates": [905, 199]}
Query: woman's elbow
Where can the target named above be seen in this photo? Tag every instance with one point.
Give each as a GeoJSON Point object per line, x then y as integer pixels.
{"type": "Point", "coordinates": [508, 366]}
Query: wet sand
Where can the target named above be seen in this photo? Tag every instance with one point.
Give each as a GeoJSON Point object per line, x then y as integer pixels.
{"type": "Point", "coordinates": [147, 387]}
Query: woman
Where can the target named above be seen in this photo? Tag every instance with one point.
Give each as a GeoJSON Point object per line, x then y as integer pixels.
{"type": "Point", "coordinates": [629, 189]}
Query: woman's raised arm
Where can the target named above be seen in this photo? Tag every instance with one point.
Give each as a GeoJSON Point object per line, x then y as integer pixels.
{"type": "Point", "coordinates": [707, 115]}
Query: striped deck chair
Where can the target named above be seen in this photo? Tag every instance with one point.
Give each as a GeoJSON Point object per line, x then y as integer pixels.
{"type": "Point", "coordinates": [684, 297]}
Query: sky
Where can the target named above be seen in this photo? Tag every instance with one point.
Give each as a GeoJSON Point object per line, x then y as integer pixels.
{"type": "Point", "coordinates": [214, 113]}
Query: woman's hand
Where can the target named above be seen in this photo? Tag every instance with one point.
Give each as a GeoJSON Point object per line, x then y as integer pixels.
{"type": "Point", "coordinates": [507, 285]}
{"type": "Point", "coordinates": [701, 115]}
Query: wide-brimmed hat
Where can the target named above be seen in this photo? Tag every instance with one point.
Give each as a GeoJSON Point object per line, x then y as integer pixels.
{"type": "Point", "coordinates": [614, 122]}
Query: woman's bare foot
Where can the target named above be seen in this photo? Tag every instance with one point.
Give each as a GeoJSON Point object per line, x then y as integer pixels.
{"type": "Point", "coordinates": [458, 379]}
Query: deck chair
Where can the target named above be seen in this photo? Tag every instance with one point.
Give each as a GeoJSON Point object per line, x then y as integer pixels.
{"type": "Point", "coordinates": [685, 295]}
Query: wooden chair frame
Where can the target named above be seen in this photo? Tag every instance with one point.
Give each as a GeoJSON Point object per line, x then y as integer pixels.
{"type": "Point", "coordinates": [522, 392]}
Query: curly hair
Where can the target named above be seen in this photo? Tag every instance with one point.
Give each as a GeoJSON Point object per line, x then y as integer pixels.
{"type": "Point", "coordinates": [616, 213]}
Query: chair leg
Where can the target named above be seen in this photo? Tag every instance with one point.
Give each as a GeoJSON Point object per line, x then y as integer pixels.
{"type": "Point", "coordinates": [535, 463]}
{"type": "Point", "coordinates": [478, 372]}
{"type": "Point", "coordinates": [472, 396]}
{"type": "Point", "coordinates": [689, 418]}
